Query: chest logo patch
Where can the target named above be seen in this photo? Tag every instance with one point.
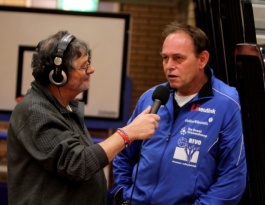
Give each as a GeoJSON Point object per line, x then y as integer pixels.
{"type": "Point", "coordinates": [187, 151]}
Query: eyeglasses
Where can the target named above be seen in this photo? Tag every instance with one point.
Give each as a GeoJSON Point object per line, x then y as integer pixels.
{"type": "Point", "coordinates": [85, 67]}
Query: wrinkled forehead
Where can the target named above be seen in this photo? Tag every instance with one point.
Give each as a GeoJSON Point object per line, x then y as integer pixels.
{"type": "Point", "coordinates": [178, 40]}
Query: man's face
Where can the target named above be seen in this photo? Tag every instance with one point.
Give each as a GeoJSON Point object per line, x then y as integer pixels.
{"type": "Point", "coordinates": [78, 79]}
{"type": "Point", "coordinates": [183, 69]}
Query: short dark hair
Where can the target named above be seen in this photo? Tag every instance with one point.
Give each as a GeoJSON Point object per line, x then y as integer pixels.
{"type": "Point", "coordinates": [200, 40]}
{"type": "Point", "coordinates": [43, 60]}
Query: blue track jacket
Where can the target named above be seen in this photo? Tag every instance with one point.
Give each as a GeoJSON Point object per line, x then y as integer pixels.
{"type": "Point", "coordinates": [197, 159]}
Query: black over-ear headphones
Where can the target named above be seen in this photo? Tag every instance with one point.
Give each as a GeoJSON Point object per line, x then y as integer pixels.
{"type": "Point", "coordinates": [57, 76]}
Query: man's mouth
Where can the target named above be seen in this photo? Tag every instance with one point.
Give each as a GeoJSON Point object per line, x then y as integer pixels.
{"type": "Point", "coordinates": [172, 76]}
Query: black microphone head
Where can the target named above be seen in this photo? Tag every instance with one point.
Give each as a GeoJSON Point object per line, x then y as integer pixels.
{"type": "Point", "coordinates": [161, 93]}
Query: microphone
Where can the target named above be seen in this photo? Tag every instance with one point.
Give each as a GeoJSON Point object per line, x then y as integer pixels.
{"type": "Point", "coordinates": [160, 97]}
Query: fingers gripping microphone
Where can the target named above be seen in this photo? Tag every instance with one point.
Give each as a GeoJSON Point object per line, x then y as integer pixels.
{"type": "Point", "coordinates": [160, 97]}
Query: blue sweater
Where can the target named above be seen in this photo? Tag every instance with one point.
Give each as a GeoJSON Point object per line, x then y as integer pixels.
{"type": "Point", "coordinates": [199, 158]}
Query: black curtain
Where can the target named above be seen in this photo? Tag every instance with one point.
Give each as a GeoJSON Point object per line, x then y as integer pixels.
{"type": "Point", "coordinates": [229, 23]}
{"type": "Point", "coordinates": [250, 84]}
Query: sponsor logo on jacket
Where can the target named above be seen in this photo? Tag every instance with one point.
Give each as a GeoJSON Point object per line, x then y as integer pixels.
{"type": "Point", "coordinates": [196, 108]}
{"type": "Point", "coordinates": [187, 151]}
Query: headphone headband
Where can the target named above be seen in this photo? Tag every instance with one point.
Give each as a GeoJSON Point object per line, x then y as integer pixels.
{"type": "Point", "coordinates": [63, 44]}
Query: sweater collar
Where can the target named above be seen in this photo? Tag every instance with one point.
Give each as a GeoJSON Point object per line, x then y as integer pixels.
{"type": "Point", "coordinates": [44, 90]}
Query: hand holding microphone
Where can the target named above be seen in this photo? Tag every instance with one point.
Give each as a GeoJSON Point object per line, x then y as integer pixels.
{"type": "Point", "coordinates": [145, 124]}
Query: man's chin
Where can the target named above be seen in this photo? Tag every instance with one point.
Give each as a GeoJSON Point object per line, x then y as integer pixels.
{"type": "Point", "coordinates": [174, 85]}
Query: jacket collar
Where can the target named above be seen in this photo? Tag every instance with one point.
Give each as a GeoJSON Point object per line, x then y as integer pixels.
{"type": "Point", "coordinates": [207, 90]}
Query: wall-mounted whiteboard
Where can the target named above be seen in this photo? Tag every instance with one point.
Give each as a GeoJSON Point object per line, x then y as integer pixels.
{"type": "Point", "coordinates": [106, 33]}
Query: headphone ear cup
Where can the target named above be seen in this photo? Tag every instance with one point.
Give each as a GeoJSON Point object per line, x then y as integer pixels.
{"type": "Point", "coordinates": [57, 76]}
{"type": "Point", "coordinates": [58, 79]}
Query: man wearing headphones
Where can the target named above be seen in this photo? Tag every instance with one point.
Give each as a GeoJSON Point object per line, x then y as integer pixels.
{"type": "Point", "coordinates": [51, 156]}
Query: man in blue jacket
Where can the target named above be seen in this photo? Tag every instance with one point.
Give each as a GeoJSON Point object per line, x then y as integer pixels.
{"type": "Point", "coordinates": [197, 155]}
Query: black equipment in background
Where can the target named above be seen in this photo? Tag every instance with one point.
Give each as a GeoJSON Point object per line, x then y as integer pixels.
{"type": "Point", "coordinates": [250, 60]}
{"type": "Point", "coordinates": [226, 23]}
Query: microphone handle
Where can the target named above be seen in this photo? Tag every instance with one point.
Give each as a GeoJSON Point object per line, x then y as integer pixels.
{"type": "Point", "coordinates": [155, 107]}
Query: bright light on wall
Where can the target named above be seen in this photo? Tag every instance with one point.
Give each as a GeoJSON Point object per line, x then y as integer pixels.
{"type": "Point", "coordinates": [78, 5]}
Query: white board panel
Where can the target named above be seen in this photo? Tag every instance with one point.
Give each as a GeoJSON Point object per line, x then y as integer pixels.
{"type": "Point", "coordinates": [106, 34]}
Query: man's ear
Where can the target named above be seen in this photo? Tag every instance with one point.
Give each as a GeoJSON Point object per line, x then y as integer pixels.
{"type": "Point", "coordinates": [204, 58]}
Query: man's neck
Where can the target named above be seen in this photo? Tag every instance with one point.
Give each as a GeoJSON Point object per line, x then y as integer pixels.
{"type": "Point", "coordinates": [60, 94]}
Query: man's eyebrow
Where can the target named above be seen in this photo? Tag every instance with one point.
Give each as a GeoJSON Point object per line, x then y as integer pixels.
{"type": "Point", "coordinates": [173, 54]}
{"type": "Point", "coordinates": [161, 53]}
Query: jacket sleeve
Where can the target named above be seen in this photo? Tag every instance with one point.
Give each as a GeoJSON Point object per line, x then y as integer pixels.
{"type": "Point", "coordinates": [231, 170]}
{"type": "Point", "coordinates": [123, 165]}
